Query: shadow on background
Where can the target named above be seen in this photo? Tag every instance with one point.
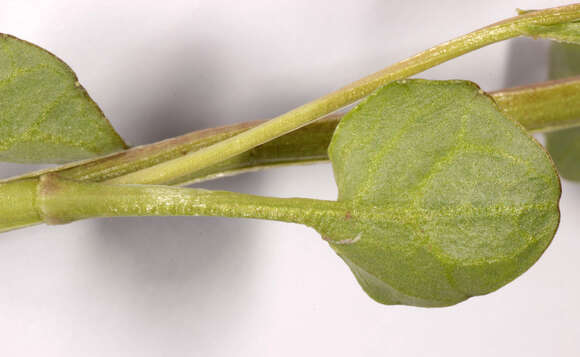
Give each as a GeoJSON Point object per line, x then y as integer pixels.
{"type": "Point", "coordinates": [173, 250]}
{"type": "Point", "coordinates": [200, 266]}
{"type": "Point", "coordinates": [178, 275]}
{"type": "Point", "coordinates": [527, 62]}
{"type": "Point", "coordinates": [166, 249]}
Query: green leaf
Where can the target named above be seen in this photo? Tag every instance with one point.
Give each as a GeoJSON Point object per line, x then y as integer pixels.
{"type": "Point", "coordinates": [46, 116]}
{"type": "Point", "coordinates": [564, 145]}
{"type": "Point", "coordinates": [446, 197]}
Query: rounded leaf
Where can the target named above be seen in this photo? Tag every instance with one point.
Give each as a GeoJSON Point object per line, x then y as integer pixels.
{"type": "Point", "coordinates": [446, 197]}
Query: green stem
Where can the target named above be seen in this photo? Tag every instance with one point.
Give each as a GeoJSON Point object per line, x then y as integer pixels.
{"type": "Point", "coordinates": [547, 106]}
{"type": "Point", "coordinates": [175, 170]}
{"type": "Point", "coordinates": [18, 204]}
{"type": "Point", "coordinates": [307, 144]}
{"type": "Point", "coordinates": [62, 201]}
{"type": "Point", "coordinates": [556, 100]}
{"type": "Point", "coordinates": [554, 104]}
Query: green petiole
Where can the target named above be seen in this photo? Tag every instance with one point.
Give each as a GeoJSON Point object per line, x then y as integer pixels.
{"type": "Point", "coordinates": [177, 169]}
{"type": "Point", "coordinates": [63, 201]}
{"type": "Point", "coordinates": [539, 107]}
{"type": "Point", "coordinates": [306, 145]}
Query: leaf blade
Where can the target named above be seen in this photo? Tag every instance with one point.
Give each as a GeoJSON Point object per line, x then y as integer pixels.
{"type": "Point", "coordinates": [455, 200]}
{"type": "Point", "coordinates": [46, 116]}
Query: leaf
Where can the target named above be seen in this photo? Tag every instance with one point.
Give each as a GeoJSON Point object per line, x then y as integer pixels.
{"type": "Point", "coordinates": [446, 197]}
{"type": "Point", "coordinates": [564, 145]}
{"type": "Point", "coordinates": [46, 116]}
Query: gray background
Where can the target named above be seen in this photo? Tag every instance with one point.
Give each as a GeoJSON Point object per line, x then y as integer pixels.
{"type": "Point", "coordinates": [223, 287]}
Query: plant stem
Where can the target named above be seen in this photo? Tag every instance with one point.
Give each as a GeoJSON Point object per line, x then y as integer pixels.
{"type": "Point", "coordinates": [555, 104]}
{"type": "Point", "coordinates": [307, 144]}
{"type": "Point", "coordinates": [18, 204]}
{"type": "Point", "coordinates": [557, 100]}
{"type": "Point", "coordinates": [62, 201]}
{"type": "Point", "coordinates": [548, 106]}
{"type": "Point", "coordinates": [175, 170]}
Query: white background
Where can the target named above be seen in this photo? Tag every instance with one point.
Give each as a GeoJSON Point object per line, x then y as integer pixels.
{"type": "Point", "coordinates": [226, 287]}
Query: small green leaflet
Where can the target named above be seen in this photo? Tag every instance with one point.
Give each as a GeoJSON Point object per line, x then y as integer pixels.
{"type": "Point", "coordinates": [46, 116]}
{"type": "Point", "coordinates": [564, 145]}
{"type": "Point", "coordinates": [447, 198]}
